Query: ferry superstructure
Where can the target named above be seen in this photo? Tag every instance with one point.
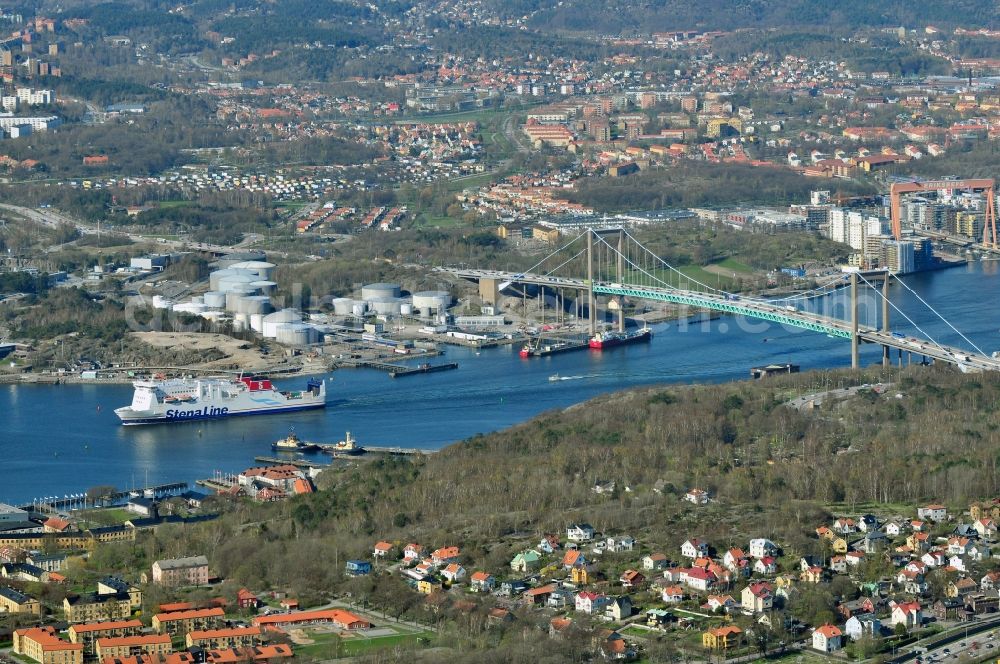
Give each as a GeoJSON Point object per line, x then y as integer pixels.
{"type": "Point", "coordinates": [184, 400]}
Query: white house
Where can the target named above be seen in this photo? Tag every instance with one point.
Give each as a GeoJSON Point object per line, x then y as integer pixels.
{"type": "Point", "coordinates": [827, 638]}
{"type": "Point", "coordinates": [908, 614]}
{"type": "Point", "coordinates": [762, 548]}
{"type": "Point", "coordinates": [863, 624]}
{"type": "Point", "coordinates": [453, 572]}
{"type": "Point", "coordinates": [694, 548]}
{"type": "Point", "coordinates": [593, 603]}
{"type": "Point", "coordinates": [618, 544]}
{"type": "Point", "coordinates": [580, 532]}
{"type": "Point", "coordinates": [932, 513]}
{"type": "Point", "coordinates": [696, 496]}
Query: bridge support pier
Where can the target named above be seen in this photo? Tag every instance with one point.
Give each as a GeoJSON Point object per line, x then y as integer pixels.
{"type": "Point", "coordinates": [886, 362]}
{"type": "Point", "coordinates": [621, 279]}
{"type": "Point", "coordinates": [855, 356]}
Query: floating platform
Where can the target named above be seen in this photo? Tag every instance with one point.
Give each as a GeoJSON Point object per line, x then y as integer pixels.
{"type": "Point", "coordinates": [422, 368]}
{"type": "Point", "coordinates": [298, 463]}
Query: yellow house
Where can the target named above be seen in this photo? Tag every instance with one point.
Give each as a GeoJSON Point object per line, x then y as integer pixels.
{"type": "Point", "coordinates": [11, 601]}
{"type": "Point", "coordinates": [812, 575]}
{"type": "Point", "coordinates": [784, 581]}
{"type": "Point", "coordinates": [44, 646]}
{"type": "Point", "coordinates": [721, 638]}
{"type": "Point", "coordinates": [579, 576]}
{"type": "Point", "coordinates": [428, 585]}
{"type": "Point", "coordinates": [839, 545]}
{"type": "Point", "coordinates": [96, 608]}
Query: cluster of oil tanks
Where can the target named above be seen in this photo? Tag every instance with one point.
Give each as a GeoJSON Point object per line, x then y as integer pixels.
{"type": "Point", "coordinates": [386, 300]}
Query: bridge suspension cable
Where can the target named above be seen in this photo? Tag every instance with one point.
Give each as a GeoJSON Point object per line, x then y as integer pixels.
{"type": "Point", "coordinates": [565, 262]}
{"type": "Point", "coordinates": [936, 313]}
{"type": "Point", "coordinates": [818, 291]}
{"type": "Point", "coordinates": [903, 314]}
{"type": "Point", "coordinates": [672, 268]}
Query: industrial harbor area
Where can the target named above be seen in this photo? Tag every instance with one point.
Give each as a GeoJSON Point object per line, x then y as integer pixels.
{"type": "Point", "coordinates": [482, 332]}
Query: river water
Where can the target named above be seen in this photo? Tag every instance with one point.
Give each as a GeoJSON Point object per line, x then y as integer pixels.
{"type": "Point", "coordinates": [63, 439]}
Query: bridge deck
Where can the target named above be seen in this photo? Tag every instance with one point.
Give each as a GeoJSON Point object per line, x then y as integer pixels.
{"type": "Point", "coordinates": [753, 308]}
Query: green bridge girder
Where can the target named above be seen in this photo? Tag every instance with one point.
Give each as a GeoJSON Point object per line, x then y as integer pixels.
{"type": "Point", "coordinates": [727, 306]}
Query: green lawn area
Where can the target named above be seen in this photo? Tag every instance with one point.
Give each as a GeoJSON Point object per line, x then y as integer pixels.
{"type": "Point", "coordinates": [326, 644]}
{"type": "Point", "coordinates": [108, 517]}
{"type": "Point", "coordinates": [685, 277]}
{"type": "Point", "coordinates": [358, 646]}
{"type": "Point", "coordinates": [734, 265]}
{"type": "Point", "coordinates": [174, 204]}
{"type": "Point", "coordinates": [637, 632]}
{"type": "Point", "coordinates": [427, 221]}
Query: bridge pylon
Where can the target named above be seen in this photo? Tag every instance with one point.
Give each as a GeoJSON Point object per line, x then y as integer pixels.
{"type": "Point", "coordinates": [855, 356]}
{"type": "Point", "coordinates": [886, 360]}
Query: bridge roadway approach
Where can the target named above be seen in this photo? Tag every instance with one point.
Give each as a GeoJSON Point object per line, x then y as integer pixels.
{"type": "Point", "coordinates": [753, 308]}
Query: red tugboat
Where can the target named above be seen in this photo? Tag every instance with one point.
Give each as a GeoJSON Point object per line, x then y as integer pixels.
{"type": "Point", "coordinates": [603, 340]}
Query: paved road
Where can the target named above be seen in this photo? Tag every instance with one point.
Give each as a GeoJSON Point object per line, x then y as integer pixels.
{"type": "Point", "coordinates": [817, 398]}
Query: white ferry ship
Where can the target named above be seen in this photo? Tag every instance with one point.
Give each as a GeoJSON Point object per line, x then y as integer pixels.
{"type": "Point", "coordinates": [183, 400]}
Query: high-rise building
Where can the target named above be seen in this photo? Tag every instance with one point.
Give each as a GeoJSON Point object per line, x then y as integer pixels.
{"type": "Point", "coordinates": [899, 256]}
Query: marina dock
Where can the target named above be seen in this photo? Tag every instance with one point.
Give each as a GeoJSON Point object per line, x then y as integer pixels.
{"type": "Point", "coordinates": [397, 450]}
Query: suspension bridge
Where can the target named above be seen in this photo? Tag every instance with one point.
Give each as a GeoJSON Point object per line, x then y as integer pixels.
{"type": "Point", "coordinates": [618, 266]}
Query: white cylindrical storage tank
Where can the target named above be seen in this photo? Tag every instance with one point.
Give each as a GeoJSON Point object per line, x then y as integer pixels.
{"type": "Point", "coordinates": [234, 298]}
{"type": "Point", "coordinates": [387, 306]}
{"type": "Point", "coordinates": [217, 276]}
{"type": "Point", "coordinates": [236, 279]}
{"type": "Point", "coordinates": [215, 299]}
{"type": "Point", "coordinates": [296, 334]}
{"type": "Point", "coordinates": [431, 301]}
{"type": "Point", "coordinates": [377, 291]}
{"type": "Point", "coordinates": [272, 321]}
{"type": "Point", "coordinates": [160, 302]}
{"type": "Point", "coordinates": [264, 287]}
{"type": "Point", "coordinates": [241, 322]}
{"type": "Point", "coordinates": [405, 308]}
{"type": "Point", "coordinates": [255, 304]}
{"type": "Point", "coordinates": [262, 269]}
{"type": "Point", "coordinates": [197, 299]}
{"type": "Point", "coordinates": [342, 306]}
{"type": "Point", "coordinates": [256, 322]}
{"type": "Point", "coordinates": [359, 308]}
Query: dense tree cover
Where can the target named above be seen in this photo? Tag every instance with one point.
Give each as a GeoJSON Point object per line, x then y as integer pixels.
{"type": "Point", "coordinates": [691, 184]}
{"type": "Point", "coordinates": [493, 42]}
{"type": "Point", "coordinates": [263, 33]}
{"type": "Point", "coordinates": [323, 151]}
{"type": "Point", "coordinates": [968, 46]}
{"type": "Point", "coordinates": [22, 282]}
{"type": "Point", "coordinates": [165, 31]}
{"type": "Point", "coordinates": [653, 15]}
{"type": "Point", "coordinates": [209, 219]}
{"type": "Point", "coordinates": [967, 159]}
{"type": "Point", "coordinates": [877, 53]}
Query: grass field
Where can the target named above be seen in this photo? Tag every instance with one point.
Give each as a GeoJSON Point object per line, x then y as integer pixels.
{"type": "Point", "coordinates": [689, 277]}
{"type": "Point", "coordinates": [327, 645]}
{"type": "Point", "coordinates": [108, 517]}
{"type": "Point", "coordinates": [734, 265]}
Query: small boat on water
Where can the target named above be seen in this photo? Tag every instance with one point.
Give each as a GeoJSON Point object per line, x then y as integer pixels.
{"type": "Point", "coordinates": [346, 446]}
{"type": "Point", "coordinates": [554, 377]}
{"type": "Point", "coordinates": [292, 443]}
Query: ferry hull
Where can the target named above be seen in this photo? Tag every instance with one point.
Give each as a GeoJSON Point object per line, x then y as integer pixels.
{"type": "Point", "coordinates": [131, 418]}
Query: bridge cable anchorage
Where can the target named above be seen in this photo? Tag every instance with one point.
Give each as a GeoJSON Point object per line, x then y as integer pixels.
{"type": "Point", "coordinates": [947, 322]}
{"type": "Point", "coordinates": [903, 314]}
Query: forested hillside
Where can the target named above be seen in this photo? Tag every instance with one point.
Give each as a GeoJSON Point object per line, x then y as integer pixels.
{"type": "Point", "coordinates": [653, 15]}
